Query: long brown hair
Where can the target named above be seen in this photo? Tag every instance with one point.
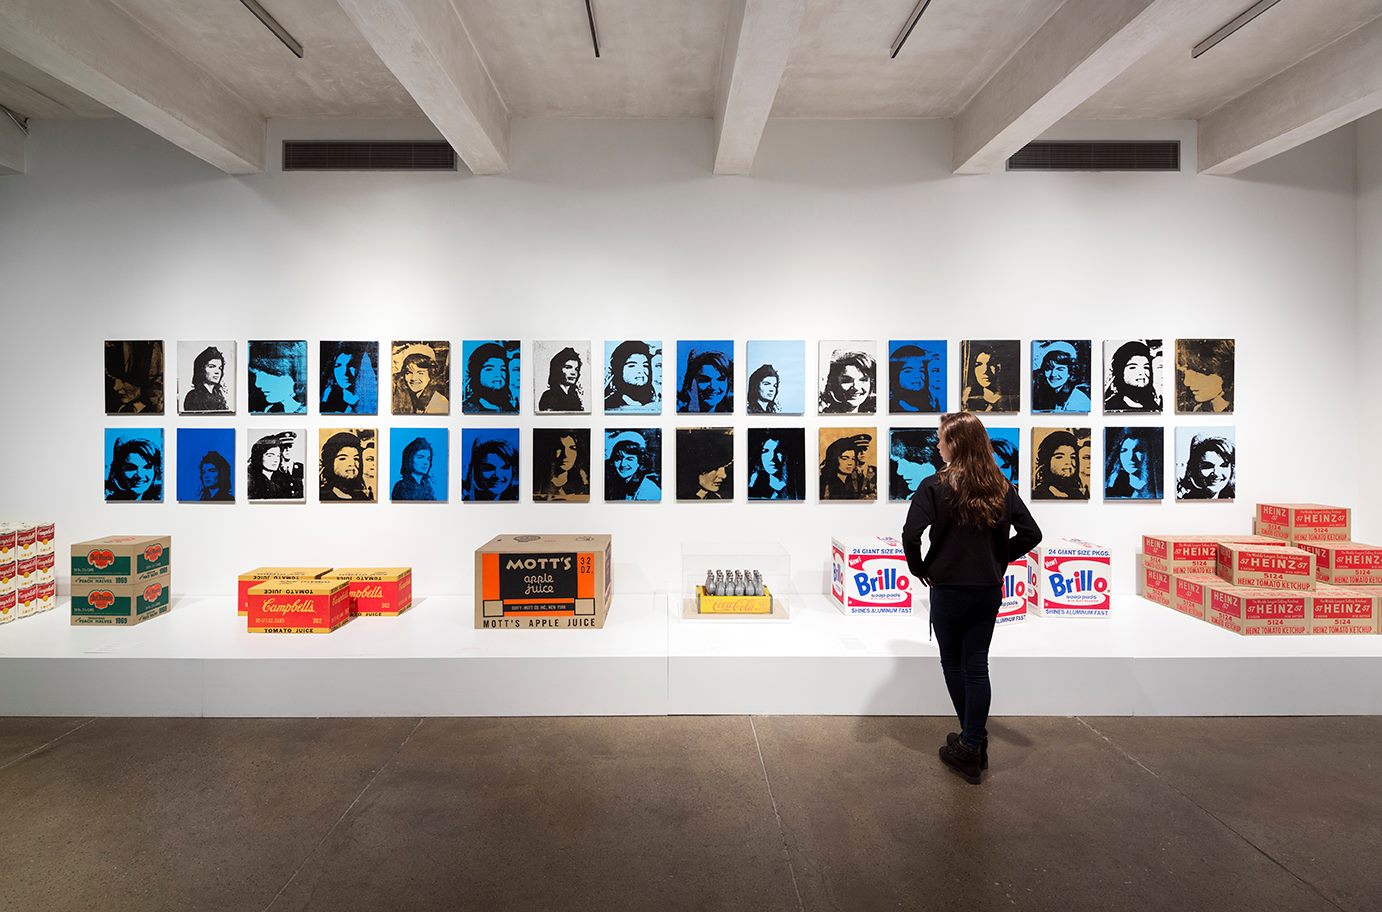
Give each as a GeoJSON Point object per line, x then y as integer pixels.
{"type": "Point", "coordinates": [978, 488]}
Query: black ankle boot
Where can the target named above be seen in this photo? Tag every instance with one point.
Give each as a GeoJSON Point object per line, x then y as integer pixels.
{"type": "Point", "coordinates": [954, 737]}
{"type": "Point", "coordinates": [963, 759]}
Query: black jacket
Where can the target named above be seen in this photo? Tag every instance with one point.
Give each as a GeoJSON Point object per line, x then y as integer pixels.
{"type": "Point", "coordinates": [964, 555]}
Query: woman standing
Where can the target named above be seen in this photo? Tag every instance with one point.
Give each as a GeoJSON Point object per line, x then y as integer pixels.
{"type": "Point", "coordinates": [978, 525]}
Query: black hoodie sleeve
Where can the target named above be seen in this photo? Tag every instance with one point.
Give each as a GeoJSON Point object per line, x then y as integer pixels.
{"type": "Point", "coordinates": [1026, 533]}
{"type": "Point", "coordinates": [919, 517]}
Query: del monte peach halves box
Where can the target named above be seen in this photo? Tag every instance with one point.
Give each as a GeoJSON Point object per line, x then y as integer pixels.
{"type": "Point", "coordinates": [121, 560]}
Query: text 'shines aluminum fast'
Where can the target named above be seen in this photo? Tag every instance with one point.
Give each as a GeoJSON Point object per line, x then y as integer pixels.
{"type": "Point", "coordinates": [869, 576]}
{"type": "Point", "coordinates": [1075, 579]}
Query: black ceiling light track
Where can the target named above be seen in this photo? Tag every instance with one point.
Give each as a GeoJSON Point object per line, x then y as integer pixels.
{"type": "Point", "coordinates": [274, 26]}
{"type": "Point", "coordinates": [368, 155]}
{"type": "Point", "coordinates": [907, 27]}
{"type": "Point", "coordinates": [1233, 25]}
{"type": "Point", "coordinates": [594, 32]}
{"type": "Point", "coordinates": [1078, 155]}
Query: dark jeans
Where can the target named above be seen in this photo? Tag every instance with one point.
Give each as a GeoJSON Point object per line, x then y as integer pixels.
{"type": "Point", "coordinates": [963, 619]}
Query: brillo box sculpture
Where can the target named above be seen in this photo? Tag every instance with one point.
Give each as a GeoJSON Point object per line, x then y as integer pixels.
{"type": "Point", "coordinates": [298, 606]}
{"type": "Point", "coordinates": [868, 575]}
{"type": "Point", "coordinates": [251, 578]}
{"type": "Point", "coordinates": [121, 579]}
{"type": "Point", "coordinates": [1018, 580]}
{"type": "Point", "coordinates": [1304, 522]}
{"type": "Point", "coordinates": [1075, 579]}
{"type": "Point", "coordinates": [542, 581]}
{"type": "Point", "coordinates": [377, 591]}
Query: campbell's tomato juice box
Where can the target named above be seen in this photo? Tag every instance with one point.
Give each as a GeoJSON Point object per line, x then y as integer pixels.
{"type": "Point", "coordinates": [1337, 609]}
{"type": "Point", "coordinates": [1190, 592]}
{"type": "Point", "coordinates": [1155, 585]}
{"type": "Point", "coordinates": [126, 604]}
{"type": "Point", "coordinates": [543, 581]}
{"type": "Point", "coordinates": [298, 606]}
{"type": "Point", "coordinates": [1017, 581]}
{"type": "Point", "coordinates": [1346, 563]}
{"type": "Point", "coordinates": [1075, 579]}
{"type": "Point", "coordinates": [377, 591]}
{"type": "Point", "coordinates": [252, 578]}
{"type": "Point", "coordinates": [1266, 567]}
{"type": "Point", "coordinates": [1259, 612]}
{"type": "Point", "coordinates": [1304, 522]}
{"type": "Point", "coordinates": [121, 560]}
{"type": "Point", "coordinates": [868, 575]}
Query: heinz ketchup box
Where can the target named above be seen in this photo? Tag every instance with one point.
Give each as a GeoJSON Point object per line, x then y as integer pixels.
{"type": "Point", "coordinates": [1075, 579]}
{"type": "Point", "coordinates": [1190, 592]}
{"type": "Point", "coordinates": [1155, 585]}
{"type": "Point", "coordinates": [1266, 567]}
{"type": "Point", "coordinates": [1259, 612]}
{"type": "Point", "coordinates": [1017, 581]}
{"type": "Point", "coordinates": [299, 606]}
{"type": "Point", "coordinates": [1346, 563]}
{"type": "Point", "coordinates": [1304, 522]}
{"type": "Point", "coordinates": [869, 576]}
{"type": "Point", "coordinates": [543, 581]}
{"type": "Point", "coordinates": [252, 578]}
{"type": "Point", "coordinates": [1338, 609]}
{"type": "Point", "coordinates": [377, 591]}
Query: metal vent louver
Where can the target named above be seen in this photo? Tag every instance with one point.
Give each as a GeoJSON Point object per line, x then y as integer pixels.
{"type": "Point", "coordinates": [338, 155]}
{"type": "Point", "coordinates": [1069, 155]}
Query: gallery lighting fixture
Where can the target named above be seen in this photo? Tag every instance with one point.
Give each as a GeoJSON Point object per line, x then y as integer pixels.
{"type": "Point", "coordinates": [273, 25]}
{"type": "Point", "coordinates": [1233, 25]}
{"type": "Point", "coordinates": [907, 27]}
{"type": "Point", "coordinates": [21, 122]}
{"type": "Point", "coordinates": [594, 34]}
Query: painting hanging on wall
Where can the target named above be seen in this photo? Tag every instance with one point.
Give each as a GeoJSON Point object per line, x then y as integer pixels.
{"type": "Point", "coordinates": [849, 463]}
{"type": "Point", "coordinates": [705, 464]}
{"type": "Point", "coordinates": [561, 376]}
{"type": "Point", "coordinates": [205, 457]}
{"type": "Point", "coordinates": [419, 463]}
{"type": "Point", "coordinates": [278, 377]}
{"type": "Point", "coordinates": [274, 467]}
{"type": "Point", "coordinates": [776, 372]}
{"type": "Point", "coordinates": [1132, 376]}
{"type": "Point", "coordinates": [493, 381]}
{"type": "Point", "coordinates": [206, 380]}
{"type": "Point", "coordinates": [1204, 375]}
{"type": "Point", "coordinates": [914, 455]}
{"type": "Point", "coordinates": [777, 463]}
{"type": "Point", "coordinates": [1061, 376]}
{"type": "Point", "coordinates": [134, 377]}
{"type": "Point", "coordinates": [561, 465]}
{"type": "Point", "coordinates": [1061, 459]}
{"type": "Point", "coordinates": [421, 378]}
{"type": "Point", "coordinates": [633, 464]}
{"type": "Point", "coordinates": [1206, 463]}
{"type": "Point", "coordinates": [349, 378]}
{"type": "Point", "coordinates": [848, 378]}
{"type": "Point", "coordinates": [341, 467]}
{"type": "Point", "coordinates": [134, 465]}
{"type": "Point", "coordinates": [489, 465]}
{"type": "Point", "coordinates": [917, 376]}
{"type": "Point", "coordinates": [1007, 451]}
{"type": "Point", "coordinates": [705, 377]}
{"type": "Point", "coordinates": [1133, 459]}
{"type": "Point", "coordinates": [633, 377]}
{"type": "Point", "coordinates": [990, 375]}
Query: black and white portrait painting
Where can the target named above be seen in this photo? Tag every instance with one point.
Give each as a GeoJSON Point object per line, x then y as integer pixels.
{"type": "Point", "coordinates": [1133, 460]}
{"type": "Point", "coordinates": [349, 378]}
{"type": "Point", "coordinates": [1206, 463]}
{"type": "Point", "coordinates": [134, 377]}
{"type": "Point", "coordinates": [278, 377]}
{"type": "Point", "coordinates": [206, 378]}
{"type": "Point", "coordinates": [1204, 376]}
{"type": "Point", "coordinates": [561, 465]}
{"type": "Point", "coordinates": [493, 378]}
{"type": "Point", "coordinates": [341, 476]}
{"type": "Point", "coordinates": [561, 377]}
{"type": "Point", "coordinates": [1060, 376]}
{"type": "Point", "coordinates": [274, 468]}
{"type": "Point", "coordinates": [633, 376]}
{"type": "Point", "coordinates": [1132, 376]}
{"type": "Point", "coordinates": [633, 464]}
{"type": "Point", "coordinates": [421, 374]}
{"type": "Point", "coordinates": [849, 463]}
{"type": "Point", "coordinates": [848, 378]}
{"type": "Point", "coordinates": [1061, 462]}
{"type": "Point", "coordinates": [777, 463]}
{"type": "Point", "coordinates": [705, 464]}
{"type": "Point", "coordinates": [914, 455]}
{"type": "Point", "coordinates": [990, 375]}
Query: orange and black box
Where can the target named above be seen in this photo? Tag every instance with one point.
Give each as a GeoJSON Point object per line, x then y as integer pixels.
{"type": "Point", "coordinates": [377, 591]}
{"type": "Point", "coordinates": [1337, 609]}
{"type": "Point", "coordinates": [1345, 563]}
{"type": "Point", "coordinates": [253, 578]}
{"type": "Point", "coordinates": [542, 581]}
{"type": "Point", "coordinates": [1255, 566]}
{"type": "Point", "coordinates": [299, 606]}
{"type": "Point", "coordinates": [1259, 612]}
{"type": "Point", "coordinates": [1298, 522]}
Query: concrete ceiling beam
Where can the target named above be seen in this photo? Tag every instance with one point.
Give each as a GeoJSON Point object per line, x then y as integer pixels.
{"type": "Point", "coordinates": [757, 44]}
{"type": "Point", "coordinates": [426, 46]}
{"type": "Point", "coordinates": [1332, 87]}
{"type": "Point", "coordinates": [101, 51]}
{"type": "Point", "coordinates": [11, 146]}
{"type": "Point", "coordinates": [1079, 50]}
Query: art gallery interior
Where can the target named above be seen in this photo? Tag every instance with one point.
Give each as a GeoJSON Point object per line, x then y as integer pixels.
{"type": "Point", "coordinates": [734, 170]}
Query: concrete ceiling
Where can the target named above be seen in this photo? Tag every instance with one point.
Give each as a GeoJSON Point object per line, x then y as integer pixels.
{"type": "Point", "coordinates": [33, 93]}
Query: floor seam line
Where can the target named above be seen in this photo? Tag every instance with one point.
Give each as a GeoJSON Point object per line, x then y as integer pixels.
{"type": "Point", "coordinates": [781, 830]}
{"type": "Point", "coordinates": [47, 744]}
{"type": "Point", "coordinates": [1207, 812]}
{"type": "Point", "coordinates": [344, 814]}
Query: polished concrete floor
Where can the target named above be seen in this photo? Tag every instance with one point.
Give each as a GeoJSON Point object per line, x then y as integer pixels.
{"type": "Point", "coordinates": [762, 813]}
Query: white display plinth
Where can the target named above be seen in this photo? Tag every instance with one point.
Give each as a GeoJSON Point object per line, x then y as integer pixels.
{"type": "Point", "coordinates": [198, 660]}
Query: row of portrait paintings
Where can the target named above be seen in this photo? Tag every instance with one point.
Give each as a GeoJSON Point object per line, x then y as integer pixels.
{"type": "Point", "coordinates": [629, 377]}
{"type": "Point", "coordinates": [561, 464]}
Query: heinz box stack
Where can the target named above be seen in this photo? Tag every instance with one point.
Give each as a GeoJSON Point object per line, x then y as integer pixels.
{"type": "Point", "coordinates": [1074, 579]}
{"type": "Point", "coordinates": [542, 581]}
{"type": "Point", "coordinates": [868, 575]}
{"type": "Point", "coordinates": [121, 579]}
{"type": "Point", "coordinates": [1302, 522]}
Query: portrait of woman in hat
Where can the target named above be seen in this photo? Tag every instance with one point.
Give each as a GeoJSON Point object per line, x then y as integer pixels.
{"type": "Point", "coordinates": [1060, 376]}
{"type": "Point", "coordinates": [421, 378]}
{"type": "Point", "coordinates": [633, 464]}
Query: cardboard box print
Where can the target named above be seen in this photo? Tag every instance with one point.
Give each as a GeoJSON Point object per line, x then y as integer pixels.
{"type": "Point", "coordinates": [421, 378]}
{"type": "Point", "coordinates": [848, 378]}
{"type": "Point", "coordinates": [705, 376]}
{"type": "Point", "coordinates": [341, 476]}
{"type": "Point", "coordinates": [705, 464]}
{"type": "Point", "coordinates": [1061, 459]}
{"type": "Point", "coordinates": [633, 377]}
{"type": "Point", "coordinates": [777, 463]}
{"type": "Point", "coordinates": [561, 465]}
{"type": "Point", "coordinates": [633, 464]}
{"type": "Point", "coordinates": [277, 374]}
{"type": "Point", "coordinates": [349, 374]}
{"type": "Point", "coordinates": [134, 465]}
{"type": "Point", "coordinates": [274, 466]}
{"type": "Point", "coordinates": [776, 372]}
{"type": "Point", "coordinates": [1206, 463]}
{"type": "Point", "coordinates": [1132, 376]}
{"type": "Point", "coordinates": [206, 378]}
{"type": "Point", "coordinates": [134, 377]}
{"type": "Point", "coordinates": [1204, 375]}
{"type": "Point", "coordinates": [917, 375]}
{"type": "Point", "coordinates": [849, 463]}
{"type": "Point", "coordinates": [493, 380]}
{"type": "Point", "coordinates": [563, 375]}
{"type": "Point", "coordinates": [990, 375]}
{"type": "Point", "coordinates": [1061, 376]}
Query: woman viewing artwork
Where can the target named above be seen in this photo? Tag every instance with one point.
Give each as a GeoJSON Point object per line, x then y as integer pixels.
{"type": "Point", "coordinates": [1132, 463]}
{"type": "Point", "coordinates": [210, 383]}
{"type": "Point", "coordinates": [421, 378]}
{"type": "Point", "coordinates": [633, 464]}
{"type": "Point", "coordinates": [1206, 464]}
{"type": "Point", "coordinates": [1133, 375]}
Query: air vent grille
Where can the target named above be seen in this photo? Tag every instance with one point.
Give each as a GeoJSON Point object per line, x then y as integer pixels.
{"type": "Point", "coordinates": [334, 155]}
{"type": "Point", "coordinates": [1155, 155]}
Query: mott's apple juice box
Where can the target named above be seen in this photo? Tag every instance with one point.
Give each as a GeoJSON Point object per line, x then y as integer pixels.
{"type": "Point", "coordinates": [1259, 612]}
{"type": "Point", "coordinates": [1260, 567]}
{"type": "Point", "coordinates": [1018, 581]}
{"type": "Point", "coordinates": [252, 578]}
{"type": "Point", "coordinates": [377, 591]}
{"type": "Point", "coordinates": [1346, 563]}
{"type": "Point", "coordinates": [869, 576]}
{"type": "Point", "coordinates": [1304, 522]}
{"type": "Point", "coordinates": [543, 581]}
{"type": "Point", "coordinates": [1337, 609]}
{"type": "Point", "coordinates": [1075, 579]}
{"type": "Point", "coordinates": [121, 560]}
{"type": "Point", "coordinates": [299, 606]}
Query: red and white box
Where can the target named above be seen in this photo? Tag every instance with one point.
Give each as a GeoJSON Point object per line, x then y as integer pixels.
{"type": "Point", "coordinates": [1075, 579]}
{"type": "Point", "coordinates": [9, 604]}
{"type": "Point", "coordinates": [1346, 563]}
{"type": "Point", "coordinates": [1171, 553]}
{"type": "Point", "coordinates": [1259, 612]}
{"type": "Point", "coordinates": [9, 542]}
{"type": "Point", "coordinates": [869, 576]}
{"type": "Point", "coordinates": [1190, 592]}
{"type": "Point", "coordinates": [1298, 522]}
{"type": "Point", "coordinates": [377, 591]}
{"type": "Point", "coordinates": [1018, 580]}
{"type": "Point", "coordinates": [298, 606]}
{"type": "Point", "coordinates": [1254, 566]}
{"type": "Point", "coordinates": [251, 578]}
{"type": "Point", "coordinates": [1338, 609]}
{"type": "Point", "coordinates": [26, 540]}
{"type": "Point", "coordinates": [45, 536]}
{"type": "Point", "coordinates": [1155, 585]}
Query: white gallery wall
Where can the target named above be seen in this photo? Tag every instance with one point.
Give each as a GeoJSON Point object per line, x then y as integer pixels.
{"type": "Point", "coordinates": [1368, 525]}
{"type": "Point", "coordinates": [616, 229]}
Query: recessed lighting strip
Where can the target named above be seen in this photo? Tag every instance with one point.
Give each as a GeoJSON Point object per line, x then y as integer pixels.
{"type": "Point", "coordinates": [907, 27]}
{"type": "Point", "coordinates": [272, 25]}
{"type": "Point", "coordinates": [594, 35]}
{"type": "Point", "coordinates": [1233, 25]}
